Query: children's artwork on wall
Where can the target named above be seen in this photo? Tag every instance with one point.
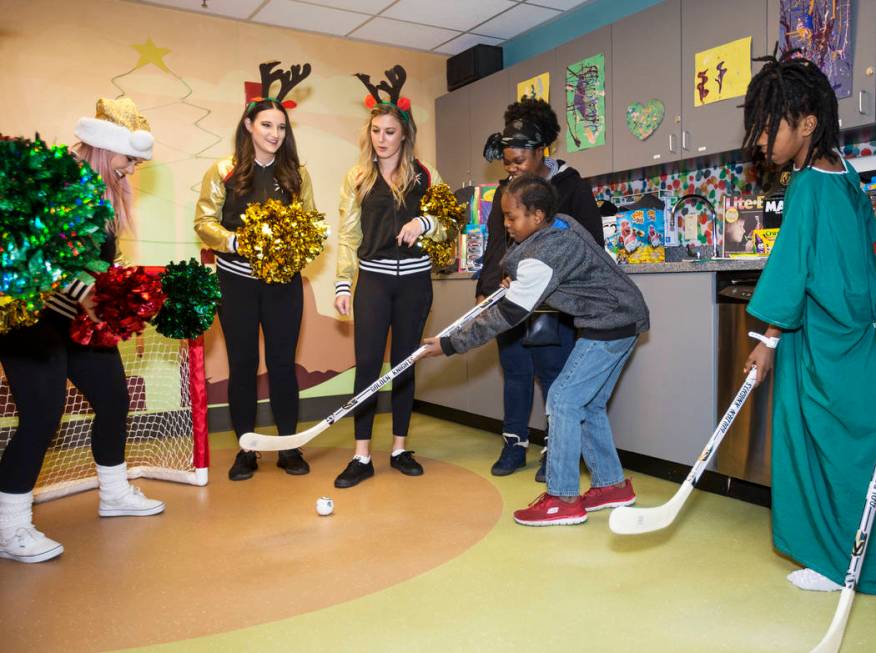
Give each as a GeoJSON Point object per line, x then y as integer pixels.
{"type": "Point", "coordinates": [644, 119]}
{"type": "Point", "coordinates": [820, 30]}
{"type": "Point", "coordinates": [585, 104]}
{"type": "Point", "coordinates": [537, 87]}
{"type": "Point", "coordinates": [722, 72]}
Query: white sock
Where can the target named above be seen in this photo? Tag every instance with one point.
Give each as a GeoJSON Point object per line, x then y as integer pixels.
{"type": "Point", "coordinates": [15, 512]}
{"type": "Point", "coordinates": [397, 452]}
{"type": "Point", "coordinates": [520, 441]}
{"type": "Point", "coordinates": [113, 481]}
{"type": "Point", "coordinates": [811, 580]}
{"type": "Point", "coordinates": [363, 459]}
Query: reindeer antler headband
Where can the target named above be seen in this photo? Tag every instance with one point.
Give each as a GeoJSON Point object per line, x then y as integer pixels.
{"type": "Point", "coordinates": [395, 79]}
{"type": "Point", "coordinates": [288, 79]}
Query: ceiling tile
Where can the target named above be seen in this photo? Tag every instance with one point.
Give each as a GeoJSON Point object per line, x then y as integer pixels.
{"type": "Point", "coordinates": [298, 15]}
{"type": "Point", "coordinates": [229, 8]}
{"type": "Point", "coordinates": [465, 42]}
{"type": "Point", "coordinates": [558, 4]}
{"type": "Point", "coordinates": [386, 30]}
{"type": "Point", "coordinates": [452, 14]}
{"type": "Point", "coordinates": [516, 21]}
{"type": "Point", "coordinates": [365, 6]}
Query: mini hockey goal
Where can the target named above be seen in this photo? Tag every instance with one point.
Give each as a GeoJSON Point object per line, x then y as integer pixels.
{"type": "Point", "coordinates": [167, 420]}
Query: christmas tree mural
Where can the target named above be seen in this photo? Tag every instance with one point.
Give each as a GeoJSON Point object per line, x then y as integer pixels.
{"type": "Point", "coordinates": [184, 148]}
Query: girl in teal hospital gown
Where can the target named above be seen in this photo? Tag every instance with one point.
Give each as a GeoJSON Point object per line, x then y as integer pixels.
{"type": "Point", "coordinates": [818, 294]}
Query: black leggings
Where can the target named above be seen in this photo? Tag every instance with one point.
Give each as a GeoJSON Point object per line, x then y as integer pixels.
{"type": "Point", "coordinates": [383, 301]}
{"type": "Point", "coordinates": [277, 307]}
{"type": "Point", "coordinates": [37, 361]}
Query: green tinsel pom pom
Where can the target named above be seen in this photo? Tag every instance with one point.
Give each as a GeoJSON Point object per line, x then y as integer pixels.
{"type": "Point", "coordinates": [53, 219]}
{"type": "Point", "coordinates": [192, 297]}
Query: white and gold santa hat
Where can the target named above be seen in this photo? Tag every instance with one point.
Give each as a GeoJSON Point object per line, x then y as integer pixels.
{"type": "Point", "coordinates": [117, 127]}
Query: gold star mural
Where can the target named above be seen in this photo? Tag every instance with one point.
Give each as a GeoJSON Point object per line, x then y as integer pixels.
{"type": "Point", "coordinates": [151, 54]}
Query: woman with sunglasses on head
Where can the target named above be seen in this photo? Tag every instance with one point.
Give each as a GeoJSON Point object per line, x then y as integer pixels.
{"type": "Point", "coordinates": [531, 126]}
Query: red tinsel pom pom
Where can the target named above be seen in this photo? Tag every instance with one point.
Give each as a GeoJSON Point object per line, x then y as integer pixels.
{"type": "Point", "coordinates": [404, 104]}
{"type": "Point", "coordinates": [124, 299]}
{"type": "Point", "coordinates": [370, 102]}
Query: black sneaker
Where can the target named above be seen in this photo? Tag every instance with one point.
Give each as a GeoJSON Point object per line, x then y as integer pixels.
{"type": "Point", "coordinates": [245, 464]}
{"type": "Point", "coordinates": [293, 462]}
{"type": "Point", "coordinates": [405, 463]}
{"type": "Point", "coordinates": [355, 472]}
{"type": "Point", "coordinates": [539, 475]}
{"type": "Point", "coordinates": [512, 458]}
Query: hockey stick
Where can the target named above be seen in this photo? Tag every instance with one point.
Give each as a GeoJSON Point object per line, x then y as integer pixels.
{"type": "Point", "coordinates": [628, 520]}
{"type": "Point", "coordinates": [833, 639]}
{"type": "Point", "coordinates": [258, 442]}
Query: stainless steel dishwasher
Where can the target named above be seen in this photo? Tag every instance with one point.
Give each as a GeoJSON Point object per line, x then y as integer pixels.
{"type": "Point", "coordinates": [745, 452]}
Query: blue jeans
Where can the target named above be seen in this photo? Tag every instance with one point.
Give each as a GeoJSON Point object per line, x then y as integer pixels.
{"type": "Point", "coordinates": [520, 366]}
{"type": "Point", "coordinates": [578, 415]}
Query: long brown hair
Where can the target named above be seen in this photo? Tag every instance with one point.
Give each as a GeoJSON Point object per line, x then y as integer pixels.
{"type": "Point", "coordinates": [287, 173]}
{"type": "Point", "coordinates": [405, 174]}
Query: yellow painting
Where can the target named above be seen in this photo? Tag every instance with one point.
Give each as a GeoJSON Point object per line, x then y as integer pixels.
{"type": "Point", "coordinates": [537, 87]}
{"type": "Point", "coordinates": [722, 72]}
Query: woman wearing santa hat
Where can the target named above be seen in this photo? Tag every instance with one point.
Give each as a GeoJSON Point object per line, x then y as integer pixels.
{"type": "Point", "coordinates": [39, 359]}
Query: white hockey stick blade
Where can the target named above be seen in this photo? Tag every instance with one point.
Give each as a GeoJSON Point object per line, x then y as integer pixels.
{"type": "Point", "coordinates": [628, 520]}
{"type": "Point", "coordinates": [833, 639]}
{"type": "Point", "coordinates": [259, 442]}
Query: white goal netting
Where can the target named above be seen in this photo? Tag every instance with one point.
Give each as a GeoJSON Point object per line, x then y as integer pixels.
{"type": "Point", "coordinates": [166, 429]}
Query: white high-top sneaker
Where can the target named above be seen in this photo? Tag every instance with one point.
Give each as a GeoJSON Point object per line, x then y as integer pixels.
{"type": "Point", "coordinates": [118, 498]}
{"type": "Point", "coordinates": [19, 540]}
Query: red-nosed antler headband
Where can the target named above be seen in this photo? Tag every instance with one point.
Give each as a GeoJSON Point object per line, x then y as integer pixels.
{"type": "Point", "coordinates": [289, 79]}
{"type": "Point", "coordinates": [395, 79]}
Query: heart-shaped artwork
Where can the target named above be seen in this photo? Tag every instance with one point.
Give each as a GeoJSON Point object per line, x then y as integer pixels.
{"type": "Point", "coordinates": [644, 119]}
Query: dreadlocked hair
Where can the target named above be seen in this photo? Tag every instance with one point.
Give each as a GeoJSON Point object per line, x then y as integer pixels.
{"type": "Point", "coordinates": [790, 88]}
{"type": "Point", "coordinates": [537, 112]}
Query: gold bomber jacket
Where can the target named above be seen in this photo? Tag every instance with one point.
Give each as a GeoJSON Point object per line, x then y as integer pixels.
{"type": "Point", "coordinates": [350, 231]}
{"type": "Point", "coordinates": [208, 210]}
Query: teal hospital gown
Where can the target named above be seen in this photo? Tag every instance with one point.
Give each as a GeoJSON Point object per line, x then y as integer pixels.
{"type": "Point", "coordinates": [819, 286]}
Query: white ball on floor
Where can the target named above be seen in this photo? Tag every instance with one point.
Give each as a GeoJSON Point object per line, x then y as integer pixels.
{"type": "Point", "coordinates": [325, 506]}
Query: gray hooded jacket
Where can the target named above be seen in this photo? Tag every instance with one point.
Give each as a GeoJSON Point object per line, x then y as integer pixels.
{"type": "Point", "coordinates": [561, 267]}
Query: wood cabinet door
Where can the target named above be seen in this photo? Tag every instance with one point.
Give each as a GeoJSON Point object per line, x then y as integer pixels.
{"type": "Point", "coordinates": [859, 109]}
{"type": "Point", "coordinates": [488, 100]}
{"type": "Point", "coordinates": [452, 133]}
{"type": "Point", "coordinates": [593, 160]}
{"type": "Point", "coordinates": [646, 65]}
{"type": "Point", "coordinates": [705, 24]}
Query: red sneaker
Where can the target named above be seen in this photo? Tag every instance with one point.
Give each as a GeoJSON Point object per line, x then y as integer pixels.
{"type": "Point", "coordinates": [548, 510]}
{"type": "Point", "coordinates": [598, 498]}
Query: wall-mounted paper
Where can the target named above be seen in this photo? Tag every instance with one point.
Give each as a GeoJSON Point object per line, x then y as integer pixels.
{"type": "Point", "coordinates": [537, 87]}
{"type": "Point", "coordinates": [585, 104]}
{"type": "Point", "coordinates": [722, 72]}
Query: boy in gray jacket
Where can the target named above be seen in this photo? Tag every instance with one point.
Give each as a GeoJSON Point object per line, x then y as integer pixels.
{"type": "Point", "coordinates": [556, 262]}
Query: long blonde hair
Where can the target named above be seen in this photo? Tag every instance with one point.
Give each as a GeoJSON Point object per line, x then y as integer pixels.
{"type": "Point", "coordinates": [118, 191]}
{"type": "Point", "coordinates": [405, 174]}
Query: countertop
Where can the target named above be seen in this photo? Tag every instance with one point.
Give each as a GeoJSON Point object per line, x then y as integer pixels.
{"type": "Point", "coordinates": [701, 265]}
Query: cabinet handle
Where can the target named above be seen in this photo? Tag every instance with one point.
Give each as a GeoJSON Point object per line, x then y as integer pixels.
{"type": "Point", "coordinates": [672, 142]}
{"type": "Point", "coordinates": [861, 96]}
{"type": "Point", "coordinates": [684, 136]}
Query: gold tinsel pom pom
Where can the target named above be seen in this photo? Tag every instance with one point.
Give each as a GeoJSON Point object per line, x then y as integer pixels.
{"type": "Point", "coordinates": [15, 313]}
{"type": "Point", "coordinates": [439, 203]}
{"type": "Point", "coordinates": [279, 239]}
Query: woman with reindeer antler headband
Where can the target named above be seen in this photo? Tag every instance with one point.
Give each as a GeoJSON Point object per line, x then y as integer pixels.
{"type": "Point", "coordinates": [265, 165]}
{"type": "Point", "coordinates": [380, 225]}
